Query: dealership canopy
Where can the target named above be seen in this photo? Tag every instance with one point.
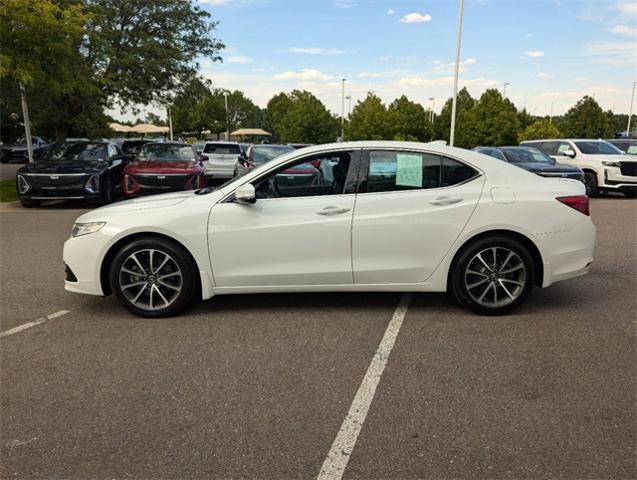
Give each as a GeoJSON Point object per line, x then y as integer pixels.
{"type": "Point", "coordinates": [118, 127]}
{"type": "Point", "coordinates": [244, 132]}
{"type": "Point", "coordinates": [148, 128]}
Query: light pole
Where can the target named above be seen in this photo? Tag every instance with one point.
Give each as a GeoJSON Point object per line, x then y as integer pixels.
{"type": "Point", "coordinates": [433, 107]}
{"type": "Point", "coordinates": [504, 90]}
{"type": "Point", "coordinates": [170, 125]}
{"type": "Point", "coordinates": [630, 113]}
{"type": "Point", "coordinates": [225, 95]}
{"type": "Point", "coordinates": [551, 116]}
{"type": "Point", "coordinates": [455, 73]}
{"type": "Point", "coordinates": [349, 105]}
{"type": "Point", "coordinates": [342, 110]}
{"type": "Point", "coordinates": [27, 123]}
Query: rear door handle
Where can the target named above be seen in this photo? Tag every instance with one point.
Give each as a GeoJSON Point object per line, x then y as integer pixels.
{"type": "Point", "coordinates": [445, 201]}
{"type": "Point", "coordinates": [333, 210]}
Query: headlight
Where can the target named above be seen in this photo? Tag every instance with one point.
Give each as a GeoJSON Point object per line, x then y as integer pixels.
{"type": "Point", "coordinates": [611, 164]}
{"type": "Point", "coordinates": [80, 229]}
{"type": "Point", "coordinates": [23, 185]}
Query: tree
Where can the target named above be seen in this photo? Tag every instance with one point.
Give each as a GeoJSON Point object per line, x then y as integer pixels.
{"type": "Point", "coordinates": [492, 121]}
{"type": "Point", "coordinates": [368, 120]}
{"type": "Point", "coordinates": [525, 118]}
{"type": "Point", "coordinates": [196, 108]}
{"type": "Point", "coordinates": [307, 120]}
{"type": "Point", "coordinates": [155, 119]}
{"type": "Point", "coordinates": [539, 130]}
{"type": "Point", "coordinates": [587, 120]}
{"type": "Point", "coordinates": [242, 112]}
{"type": "Point", "coordinates": [407, 120]}
{"type": "Point", "coordinates": [442, 123]}
{"type": "Point", "coordinates": [275, 112]}
{"type": "Point", "coordinates": [99, 53]}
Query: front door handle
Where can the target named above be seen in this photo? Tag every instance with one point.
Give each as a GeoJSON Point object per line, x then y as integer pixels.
{"type": "Point", "coordinates": [445, 201]}
{"type": "Point", "coordinates": [333, 210]}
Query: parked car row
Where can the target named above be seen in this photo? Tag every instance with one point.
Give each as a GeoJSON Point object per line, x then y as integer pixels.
{"type": "Point", "coordinates": [603, 166]}
{"type": "Point", "coordinates": [97, 171]}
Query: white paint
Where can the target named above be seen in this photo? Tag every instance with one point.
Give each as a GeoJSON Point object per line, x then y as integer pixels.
{"type": "Point", "coordinates": [39, 321]}
{"type": "Point", "coordinates": [338, 457]}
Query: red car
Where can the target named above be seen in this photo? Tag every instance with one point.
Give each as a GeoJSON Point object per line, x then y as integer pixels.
{"type": "Point", "coordinates": [163, 167]}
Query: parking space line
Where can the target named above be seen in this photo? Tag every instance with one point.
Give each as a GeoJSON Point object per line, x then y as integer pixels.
{"type": "Point", "coordinates": [338, 456]}
{"type": "Point", "coordinates": [39, 321]}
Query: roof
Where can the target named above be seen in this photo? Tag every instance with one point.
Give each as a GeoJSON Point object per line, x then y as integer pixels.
{"type": "Point", "coordinates": [250, 131]}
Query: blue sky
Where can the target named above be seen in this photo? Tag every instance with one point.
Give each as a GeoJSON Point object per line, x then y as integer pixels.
{"type": "Point", "coordinates": [550, 51]}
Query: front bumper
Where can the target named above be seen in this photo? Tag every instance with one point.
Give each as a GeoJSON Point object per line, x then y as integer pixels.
{"type": "Point", "coordinates": [83, 256]}
{"type": "Point", "coordinates": [614, 179]}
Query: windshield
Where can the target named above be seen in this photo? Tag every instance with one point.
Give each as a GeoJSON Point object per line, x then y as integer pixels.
{"type": "Point", "coordinates": [598, 148]}
{"type": "Point", "coordinates": [166, 152]}
{"type": "Point", "coordinates": [222, 148]}
{"type": "Point", "coordinates": [527, 155]}
{"type": "Point", "coordinates": [76, 152]}
{"type": "Point", "coordinates": [265, 154]}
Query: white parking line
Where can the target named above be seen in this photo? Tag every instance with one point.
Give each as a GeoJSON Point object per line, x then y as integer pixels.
{"type": "Point", "coordinates": [338, 457]}
{"type": "Point", "coordinates": [39, 321]}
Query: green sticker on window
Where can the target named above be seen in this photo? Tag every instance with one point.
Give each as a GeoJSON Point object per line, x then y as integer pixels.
{"type": "Point", "coordinates": [408, 170]}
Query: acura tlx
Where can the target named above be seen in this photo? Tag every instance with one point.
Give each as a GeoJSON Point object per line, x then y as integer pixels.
{"type": "Point", "coordinates": [377, 216]}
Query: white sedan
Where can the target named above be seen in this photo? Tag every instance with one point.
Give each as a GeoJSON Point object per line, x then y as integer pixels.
{"type": "Point", "coordinates": [387, 216]}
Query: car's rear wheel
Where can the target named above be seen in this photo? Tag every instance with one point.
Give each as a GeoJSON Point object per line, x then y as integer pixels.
{"type": "Point", "coordinates": [493, 275]}
{"type": "Point", "coordinates": [590, 181]}
{"type": "Point", "coordinates": [153, 278]}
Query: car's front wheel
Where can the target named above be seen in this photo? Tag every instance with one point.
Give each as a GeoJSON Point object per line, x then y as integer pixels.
{"type": "Point", "coordinates": [493, 276]}
{"type": "Point", "coordinates": [154, 277]}
{"type": "Point", "coordinates": [590, 182]}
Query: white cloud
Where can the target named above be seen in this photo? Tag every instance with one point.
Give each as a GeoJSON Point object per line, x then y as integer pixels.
{"type": "Point", "coordinates": [383, 74]}
{"type": "Point", "coordinates": [415, 18]}
{"type": "Point", "coordinates": [534, 53]}
{"type": "Point", "coordinates": [626, 30]}
{"type": "Point", "coordinates": [238, 59]}
{"type": "Point", "coordinates": [391, 11]}
{"type": "Point", "coordinates": [544, 75]}
{"type": "Point", "coordinates": [414, 81]}
{"type": "Point", "coordinates": [441, 67]}
{"type": "Point", "coordinates": [346, 4]}
{"type": "Point", "coordinates": [314, 51]}
{"type": "Point", "coordinates": [613, 53]}
{"type": "Point", "coordinates": [627, 8]}
{"type": "Point", "coordinates": [306, 75]}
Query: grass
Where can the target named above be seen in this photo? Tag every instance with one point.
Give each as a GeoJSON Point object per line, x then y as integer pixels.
{"type": "Point", "coordinates": [7, 191]}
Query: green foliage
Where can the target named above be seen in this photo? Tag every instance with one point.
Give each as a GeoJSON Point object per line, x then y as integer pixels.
{"type": "Point", "coordinates": [442, 123]}
{"type": "Point", "coordinates": [492, 121]}
{"type": "Point", "coordinates": [525, 118]}
{"type": "Point", "coordinates": [368, 120]}
{"type": "Point", "coordinates": [8, 192]}
{"type": "Point", "coordinates": [539, 130]}
{"type": "Point", "coordinates": [76, 56]}
{"type": "Point", "coordinates": [299, 117]}
{"type": "Point", "coordinates": [587, 120]}
{"type": "Point", "coordinates": [407, 120]}
{"type": "Point", "coordinates": [306, 120]}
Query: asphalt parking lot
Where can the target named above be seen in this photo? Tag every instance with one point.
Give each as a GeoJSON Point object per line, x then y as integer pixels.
{"type": "Point", "coordinates": [258, 386]}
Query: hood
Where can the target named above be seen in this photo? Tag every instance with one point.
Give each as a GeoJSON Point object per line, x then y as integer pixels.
{"type": "Point", "coordinates": [163, 167]}
{"type": "Point", "coordinates": [136, 204]}
{"type": "Point", "coordinates": [62, 167]}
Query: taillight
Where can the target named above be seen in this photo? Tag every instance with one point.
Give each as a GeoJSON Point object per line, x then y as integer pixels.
{"type": "Point", "coordinates": [578, 202]}
{"type": "Point", "coordinates": [130, 185]}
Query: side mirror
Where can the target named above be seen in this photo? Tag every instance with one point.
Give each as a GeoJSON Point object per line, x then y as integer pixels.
{"type": "Point", "coordinates": [245, 194]}
{"type": "Point", "coordinates": [203, 158]}
{"type": "Point", "coordinates": [569, 153]}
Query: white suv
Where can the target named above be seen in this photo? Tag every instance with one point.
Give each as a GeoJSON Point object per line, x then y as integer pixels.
{"type": "Point", "coordinates": [220, 159]}
{"type": "Point", "coordinates": [606, 168]}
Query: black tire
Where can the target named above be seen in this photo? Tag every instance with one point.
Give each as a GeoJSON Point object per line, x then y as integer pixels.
{"type": "Point", "coordinates": [107, 192]}
{"type": "Point", "coordinates": [466, 258]}
{"type": "Point", "coordinates": [590, 181]}
{"type": "Point", "coordinates": [630, 193]}
{"type": "Point", "coordinates": [26, 203]}
{"type": "Point", "coordinates": [188, 288]}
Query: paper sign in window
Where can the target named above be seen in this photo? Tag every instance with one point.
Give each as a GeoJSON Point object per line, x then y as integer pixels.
{"type": "Point", "coordinates": [408, 170]}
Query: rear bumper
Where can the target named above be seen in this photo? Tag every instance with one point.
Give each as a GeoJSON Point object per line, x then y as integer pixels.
{"type": "Point", "coordinates": [571, 255]}
{"type": "Point", "coordinates": [219, 170]}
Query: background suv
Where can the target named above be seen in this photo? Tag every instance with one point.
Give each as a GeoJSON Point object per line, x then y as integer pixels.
{"type": "Point", "coordinates": [606, 168]}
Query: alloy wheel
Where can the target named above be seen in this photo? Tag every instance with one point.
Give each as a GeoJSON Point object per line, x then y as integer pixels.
{"type": "Point", "coordinates": [495, 277]}
{"type": "Point", "coordinates": [150, 279]}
